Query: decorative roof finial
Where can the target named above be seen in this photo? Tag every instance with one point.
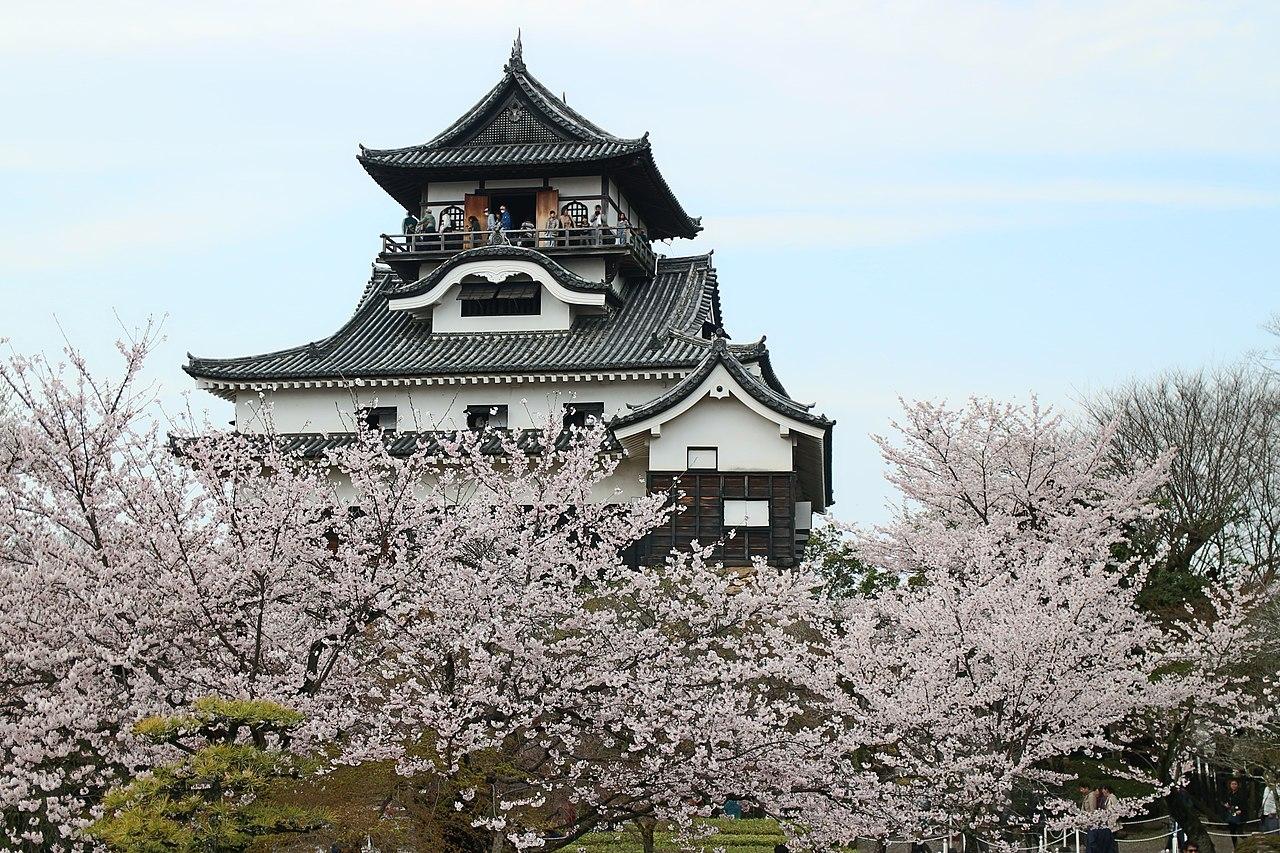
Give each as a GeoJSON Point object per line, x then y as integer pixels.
{"type": "Point", "coordinates": [516, 63]}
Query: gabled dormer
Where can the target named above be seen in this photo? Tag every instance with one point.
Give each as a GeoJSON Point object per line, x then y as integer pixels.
{"type": "Point", "coordinates": [522, 149]}
{"type": "Point", "coordinates": [503, 289]}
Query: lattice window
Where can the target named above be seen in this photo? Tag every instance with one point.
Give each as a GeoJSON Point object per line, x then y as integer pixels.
{"type": "Point", "coordinates": [451, 217]}
{"type": "Point", "coordinates": [514, 124]}
{"type": "Point", "coordinates": [577, 213]}
{"type": "Point", "coordinates": [516, 296]}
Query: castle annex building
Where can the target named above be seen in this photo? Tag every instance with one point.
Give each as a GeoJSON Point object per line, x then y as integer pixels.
{"type": "Point", "coordinates": [526, 272]}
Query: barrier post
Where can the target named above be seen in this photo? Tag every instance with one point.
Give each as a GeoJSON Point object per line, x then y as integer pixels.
{"type": "Point", "coordinates": [1173, 847]}
{"type": "Point", "coordinates": [1077, 840]}
{"type": "Point", "coordinates": [1044, 839]}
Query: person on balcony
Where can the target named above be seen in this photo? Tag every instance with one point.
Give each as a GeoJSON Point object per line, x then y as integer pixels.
{"type": "Point", "coordinates": [527, 232]}
{"type": "Point", "coordinates": [497, 236]}
{"type": "Point", "coordinates": [490, 221]}
{"type": "Point", "coordinates": [504, 216]}
{"type": "Point", "coordinates": [552, 234]}
{"type": "Point", "coordinates": [598, 223]}
{"type": "Point", "coordinates": [410, 223]}
{"type": "Point", "coordinates": [427, 225]}
{"type": "Point", "coordinates": [624, 226]}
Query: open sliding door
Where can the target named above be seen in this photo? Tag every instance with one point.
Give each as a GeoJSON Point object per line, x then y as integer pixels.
{"type": "Point", "coordinates": [474, 206]}
{"type": "Point", "coordinates": [548, 201]}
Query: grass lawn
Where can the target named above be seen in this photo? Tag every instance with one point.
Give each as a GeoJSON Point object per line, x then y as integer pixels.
{"type": "Point", "coordinates": [735, 836]}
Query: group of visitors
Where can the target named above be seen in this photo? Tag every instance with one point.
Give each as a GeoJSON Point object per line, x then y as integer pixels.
{"type": "Point", "coordinates": [1102, 802]}
{"type": "Point", "coordinates": [499, 228]}
{"type": "Point", "coordinates": [1233, 805]}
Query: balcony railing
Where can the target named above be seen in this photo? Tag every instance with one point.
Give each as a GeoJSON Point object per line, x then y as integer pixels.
{"type": "Point", "coordinates": [550, 240]}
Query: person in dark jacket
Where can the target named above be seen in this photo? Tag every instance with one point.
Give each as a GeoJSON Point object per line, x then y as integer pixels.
{"type": "Point", "coordinates": [1233, 808]}
{"type": "Point", "coordinates": [504, 218]}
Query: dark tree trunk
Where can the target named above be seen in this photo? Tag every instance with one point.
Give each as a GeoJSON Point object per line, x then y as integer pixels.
{"type": "Point", "coordinates": [1188, 821]}
{"type": "Point", "coordinates": [647, 826]}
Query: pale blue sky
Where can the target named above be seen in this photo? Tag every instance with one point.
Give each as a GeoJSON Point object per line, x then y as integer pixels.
{"type": "Point", "coordinates": [926, 199]}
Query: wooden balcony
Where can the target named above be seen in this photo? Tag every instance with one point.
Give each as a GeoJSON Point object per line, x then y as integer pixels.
{"type": "Point", "coordinates": [629, 246]}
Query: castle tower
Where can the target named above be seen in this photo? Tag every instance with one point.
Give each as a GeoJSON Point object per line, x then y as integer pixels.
{"type": "Point", "coordinates": [567, 306]}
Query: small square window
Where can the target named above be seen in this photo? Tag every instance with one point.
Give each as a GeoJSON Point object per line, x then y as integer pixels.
{"type": "Point", "coordinates": [380, 418]}
{"type": "Point", "coordinates": [577, 414]}
{"type": "Point", "coordinates": [702, 459]}
{"type": "Point", "coordinates": [485, 417]}
{"type": "Point", "coordinates": [746, 513]}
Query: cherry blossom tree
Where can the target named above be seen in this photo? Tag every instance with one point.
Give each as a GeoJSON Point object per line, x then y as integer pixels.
{"type": "Point", "coordinates": [464, 600]}
{"type": "Point", "coordinates": [1013, 640]}
{"type": "Point", "coordinates": [463, 610]}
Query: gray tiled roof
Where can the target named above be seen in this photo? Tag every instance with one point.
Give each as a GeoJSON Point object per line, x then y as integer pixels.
{"type": "Point", "coordinates": [556, 139]}
{"type": "Point", "coordinates": [656, 327]}
{"type": "Point", "coordinates": [813, 457]}
{"type": "Point", "coordinates": [719, 354]}
{"type": "Point", "coordinates": [314, 445]}
{"type": "Point", "coordinates": [524, 154]}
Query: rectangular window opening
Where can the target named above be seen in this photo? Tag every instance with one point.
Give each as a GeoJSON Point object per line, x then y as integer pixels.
{"type": "Point", "coordinates": [485, 417]}
{"type": "Point", "coordinates": [702, 458]}
{"type": "Point", "coordinates": [577, 414]}
{"type": "Point", "coordinates": [515, 299]}
{"type": "Point", "coordinates": [380, 418]}
{"type": "Point", "coordinates": [746, 513]}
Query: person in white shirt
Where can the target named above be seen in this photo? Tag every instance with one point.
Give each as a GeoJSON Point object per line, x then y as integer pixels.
{"type": "Point", "coordinates": [1270, 820]}
{"type": "Point", "coordinates": [598, 223]}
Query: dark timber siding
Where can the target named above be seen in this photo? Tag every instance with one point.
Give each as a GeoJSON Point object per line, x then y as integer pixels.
{"type": "Point", "coordinates": [699, 515]}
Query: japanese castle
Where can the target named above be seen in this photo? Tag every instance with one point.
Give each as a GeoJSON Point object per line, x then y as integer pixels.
{"type": "Point", "coordinates": [466, 324]}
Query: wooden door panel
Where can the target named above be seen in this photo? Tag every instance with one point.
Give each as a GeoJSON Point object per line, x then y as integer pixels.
{"type": "Point", "coordinates": [474, 204]}
{"type": "Point", "coordinates": [547, 201]}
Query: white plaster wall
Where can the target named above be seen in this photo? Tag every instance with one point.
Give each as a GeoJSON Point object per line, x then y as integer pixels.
{"type": "Point", "coordinates": [446, 316]}
{"type": "Point", "coordinates": [434, 406]}
{"type": "Point", "coordinates": [446, 191]}
{"type": "Point", "coordinates": [513, 183]}
{"type": "Point", "coordinates": [592, 269]}
{"type": "Point", "coordinates": [577, 186]}
{"type": "Point", "coordinates": [745, 440]}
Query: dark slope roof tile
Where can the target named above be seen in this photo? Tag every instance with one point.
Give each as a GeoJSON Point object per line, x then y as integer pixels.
{"type": "Point", "coordinates": [556, 139]}
{"type": "Point", "coordinates": [655, 328]}
{"type": "Point", "coordinates": [721, 354]}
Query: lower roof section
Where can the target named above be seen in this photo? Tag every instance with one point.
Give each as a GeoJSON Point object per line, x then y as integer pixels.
{"type": "Point", "coordinates": [314, 445]}
{"type": "Point", "coordinates": [658, 326]}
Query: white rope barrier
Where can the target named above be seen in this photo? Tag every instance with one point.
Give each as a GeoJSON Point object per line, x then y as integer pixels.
{"type": "Point", "coordinates": [1138, 840]}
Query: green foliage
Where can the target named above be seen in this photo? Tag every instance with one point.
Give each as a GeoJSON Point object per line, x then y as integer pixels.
{"type": "Point", "coordinates": [1168, 591]}
{"type": "Point", "coordinates": [1259, 844]}
{"type": "Point", "coordinates": [213, 797]}
{"type": "Point", "coordinates": [847, 576]}
{"type": "Point", "coordinates": [217, 719]}
{"type": "Point", "coordinates": [744, 835]}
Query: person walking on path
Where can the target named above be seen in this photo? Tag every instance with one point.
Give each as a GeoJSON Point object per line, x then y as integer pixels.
{"type": "Point", "coordinates": [1270, 819]}
{"type": "Point", "coordinates": [1233, 811]}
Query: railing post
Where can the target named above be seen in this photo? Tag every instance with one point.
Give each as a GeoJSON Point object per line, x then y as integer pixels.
{"type": "Point", "coordinates": [1173, 847]}
{"type": "Point", "coordinates": [1077, 833]}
